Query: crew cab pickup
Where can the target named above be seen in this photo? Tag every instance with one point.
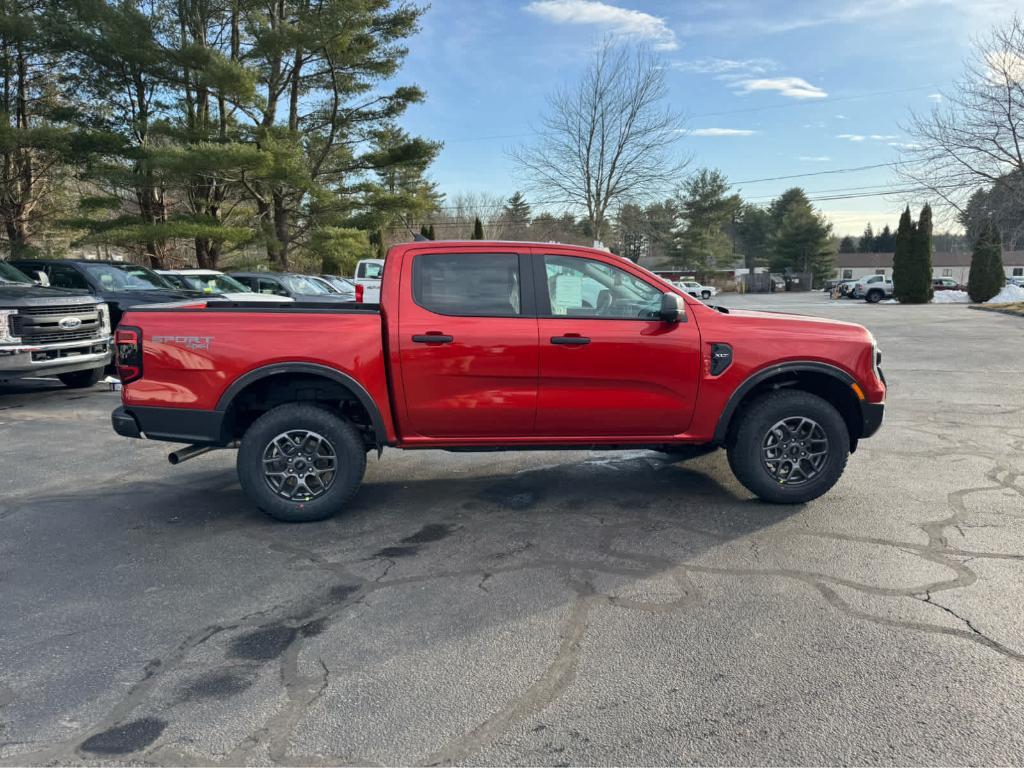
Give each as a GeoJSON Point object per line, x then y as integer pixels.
{"type": "Point", "coordinates": [493, 345]}
{"type": "Point", "coordinates": [51, 332]}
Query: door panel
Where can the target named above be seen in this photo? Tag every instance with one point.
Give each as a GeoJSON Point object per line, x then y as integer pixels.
{"type": "Point", "coordinates": [479, 378]}
{"type": "Point", "coordinates": [606, 368]}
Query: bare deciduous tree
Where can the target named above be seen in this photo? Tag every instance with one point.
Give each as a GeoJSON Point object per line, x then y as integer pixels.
{"type": "Point", "coordinates": [974, 137]}
{"type": "Point", "coordinates": [608, 140]}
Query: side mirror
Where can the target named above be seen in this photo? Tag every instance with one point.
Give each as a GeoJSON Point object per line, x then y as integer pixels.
{"type": "Point", "coordinates": [42, 279]}
{"type": "Point", "coordinates": [673, 308]}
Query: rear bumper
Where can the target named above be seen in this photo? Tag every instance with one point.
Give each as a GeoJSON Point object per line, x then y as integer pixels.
{"type": "Point", "coordinates": [175, 425]}
{"type": "Point", "coordinates": [872, 415]}
{"type": "Point", "coordinates": [53, 359]}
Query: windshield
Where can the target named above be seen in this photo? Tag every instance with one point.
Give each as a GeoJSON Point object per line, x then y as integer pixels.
{"type": "Point", "coordinates": [9, 274]}
{"type": "Point", "coordinates": [303, 286]}
{"type": "Point", "coordinates": [213, 283]}
{"type": "Point", "coordinates": [338, 282]}
{"type": "Point", "coordinates": [125, 277]}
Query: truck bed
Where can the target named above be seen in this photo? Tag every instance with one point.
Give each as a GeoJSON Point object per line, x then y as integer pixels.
{"type": "Point", "coordinates": [194, 353]}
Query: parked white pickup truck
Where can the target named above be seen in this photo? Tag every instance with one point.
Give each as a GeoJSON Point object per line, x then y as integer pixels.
{"type": "Point", "coordinates": [697, 290]}
{"type": "Point", "coordinates": [368, 274]}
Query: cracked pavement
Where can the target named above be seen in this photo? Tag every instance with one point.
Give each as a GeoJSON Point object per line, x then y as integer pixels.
{"type": "Point", "coordinates": [540, 608]}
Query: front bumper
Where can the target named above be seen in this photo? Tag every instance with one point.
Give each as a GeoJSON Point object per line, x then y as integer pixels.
{"type": "Point", "coordinates": [871, 413]}
{"type": "Point", "coordinates": [18, 361]}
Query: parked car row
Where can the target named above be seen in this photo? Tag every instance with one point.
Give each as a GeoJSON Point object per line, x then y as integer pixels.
{"type": "Point", "coordinates": [57, 315]}
{"type": "Point", "coordinates": [874, 288]}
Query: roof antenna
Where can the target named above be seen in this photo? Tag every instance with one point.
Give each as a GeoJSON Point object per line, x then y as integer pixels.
{"type": "Point", "coordinates": [416, 236]}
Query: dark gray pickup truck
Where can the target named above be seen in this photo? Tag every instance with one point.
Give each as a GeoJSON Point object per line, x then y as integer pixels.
{"type": "Point", "coordinates": [51, 332]}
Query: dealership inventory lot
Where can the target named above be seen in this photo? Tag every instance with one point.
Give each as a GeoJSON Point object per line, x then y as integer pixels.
{"type": "Point", "coordinates": [535, 608]}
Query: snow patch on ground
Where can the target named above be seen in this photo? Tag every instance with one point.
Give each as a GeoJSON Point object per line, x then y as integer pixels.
{"type": "Point", "coordinates": [890, 301]}
{"type": "Point", "coordinates": [1009, 293]}
{"type": "Point", "coordinates": [951, 297]}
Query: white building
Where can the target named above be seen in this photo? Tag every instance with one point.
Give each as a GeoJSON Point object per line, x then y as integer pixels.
{"type": "Point", "coordinates": [957, 265]}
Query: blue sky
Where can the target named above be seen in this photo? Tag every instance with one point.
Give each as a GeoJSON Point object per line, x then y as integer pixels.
{"type": "Point", "coordinates": [770, 88]}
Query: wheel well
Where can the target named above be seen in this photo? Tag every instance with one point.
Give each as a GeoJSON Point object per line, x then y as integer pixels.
{"type": "Point", "coordinates": [824, 385]}
{"type": "Point", "coordinates": [289, 387]}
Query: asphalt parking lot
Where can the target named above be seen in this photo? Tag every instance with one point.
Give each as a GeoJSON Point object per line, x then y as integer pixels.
{"type": "Point", "coordinates": [536, 608]}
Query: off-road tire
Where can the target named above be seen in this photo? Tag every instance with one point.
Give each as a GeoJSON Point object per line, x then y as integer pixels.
{"type": "Point", "coordinates": [745, 448]}
{"type": "Point", "coordinates": [343, 438]}
{"type": "Point", "coordinates": [81, 379]}
{"type": "Point", "coordinates": [874, 296]}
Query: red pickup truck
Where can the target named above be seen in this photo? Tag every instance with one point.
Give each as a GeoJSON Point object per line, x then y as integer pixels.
{"type": "Point", "coordinates": [491, 345]}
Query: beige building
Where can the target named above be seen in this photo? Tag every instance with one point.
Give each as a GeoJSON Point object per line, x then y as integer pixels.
{"type": "Point", "coordinates": [852, 266]}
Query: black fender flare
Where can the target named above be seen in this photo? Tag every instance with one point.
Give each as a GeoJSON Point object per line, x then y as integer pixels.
{"type": "Point", "coordinates": [796, 366]}
{"type": "Point", "coordinates": [357, 389]}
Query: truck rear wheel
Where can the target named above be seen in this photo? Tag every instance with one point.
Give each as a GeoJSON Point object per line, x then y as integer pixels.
{"type": "Point", "coordinates": [81, 379]}
{"type": "Point", "coordinates": [300, 463]}
{"type": "Point", "coordinates": [790, 447]}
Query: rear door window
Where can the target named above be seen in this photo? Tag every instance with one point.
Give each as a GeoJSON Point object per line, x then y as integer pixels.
{"type": "Point", "coordinates": [468, 284]}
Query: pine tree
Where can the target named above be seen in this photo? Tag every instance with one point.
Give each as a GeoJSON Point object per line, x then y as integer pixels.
{"type": "Point", "coordinates": [802, 239]}
{"type": "Point", "coordinates": [478, 229]}
{"type": "Point", "coordinates": [902, 266]}
{"type": "Point", "coordinates": [918, 288]}
{"type": "Point", "coordinates": [517, 210]}
{"type": "Point", "coordinates": [430, 232]}
{"type": "Point", "coordinates": [866, 244]}
{"type": "Point", "coordinates": [847, 245]}
{"type": "Point", "coordinates": [987, 276]}
{"type": "Point", "coordinates": [707, 211]}
{"type": "Point", "coordinates": [424, 231]}
{"type": "Point", "coordinates": [885, 241]}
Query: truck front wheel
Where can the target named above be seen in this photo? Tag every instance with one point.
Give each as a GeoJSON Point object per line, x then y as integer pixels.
{"type": "Point", "coordinates": [300, 463]}
{"type": "Point", "coordinates": [874, 296]}
{"type": "Point", "coordinates": [790, 447]}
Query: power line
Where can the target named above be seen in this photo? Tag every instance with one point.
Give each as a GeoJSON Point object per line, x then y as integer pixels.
{"type": "Point", "coordinates": [815, 173]}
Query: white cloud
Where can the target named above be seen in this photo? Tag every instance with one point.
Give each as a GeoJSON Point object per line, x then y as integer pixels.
{"type": "Point", "coordinates": [936, 97]}
{"type": "Point", "coordinates": [721, 132]}
{"type": "Point", "coordinates": [904, 145]}
{"type": "Point", "coordinates": [815, 158]}
{"type": "Point", "coordinates": [621, 20]}
{"type": "Point", "coordinates": [727, 67]}
{"type": "Point", "coordinates": [842, 117]}
{"type": "Point", "coordinates": [793, 87]}
{"type": "Point", "coordinates": [858, 137]}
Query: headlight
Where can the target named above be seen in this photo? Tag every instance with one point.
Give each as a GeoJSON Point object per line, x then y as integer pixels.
{"type": "Point", "coordinates": [7, 327]}
{"type": "Point", "coordinates": [104, 312]}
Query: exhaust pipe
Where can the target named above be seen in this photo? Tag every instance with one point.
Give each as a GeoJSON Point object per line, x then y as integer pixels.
{"type": "Point", "coordinates": [189, 452]}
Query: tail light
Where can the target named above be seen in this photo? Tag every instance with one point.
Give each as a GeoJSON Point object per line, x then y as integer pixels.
{"type": "Point", "coordinates": [359, 293]}
{"type": "Point", "coordinates": [128, 340]}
